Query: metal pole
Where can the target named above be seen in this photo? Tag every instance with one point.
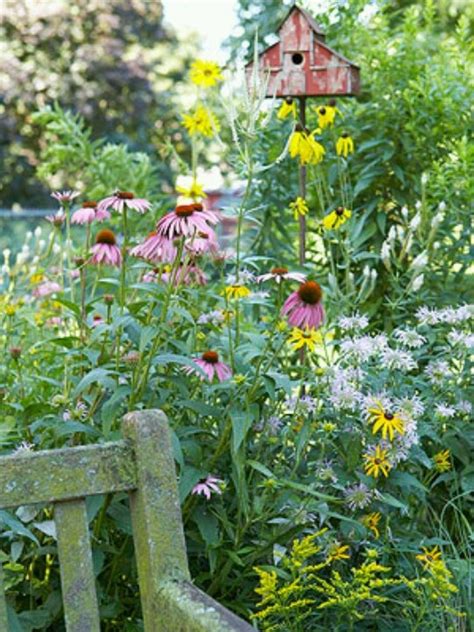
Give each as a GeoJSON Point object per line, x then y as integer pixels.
{"type": "Point", "coordinates": [302, 177]}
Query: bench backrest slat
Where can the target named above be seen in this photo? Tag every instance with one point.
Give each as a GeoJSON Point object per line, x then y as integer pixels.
{"type": "Point", "coordinates": [81, 610]}
{"type": "Point", "coordinates": [49, 476]}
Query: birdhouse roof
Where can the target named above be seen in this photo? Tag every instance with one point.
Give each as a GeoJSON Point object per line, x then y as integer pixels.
{"type": "Point", "coordinates": [309, 18]}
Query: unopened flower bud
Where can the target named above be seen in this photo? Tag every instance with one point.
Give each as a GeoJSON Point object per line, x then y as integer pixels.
{"type": "Point", "coordinates": [442, 206]}
{"type": "Point", "coordinates": [392, 234]}
{"type": "Point", "coordinates": [415, 222]}
{"type": "Point", "coordinates": [79, 261]}
{"type": "Point", "coordinates": [437, 219]}
{"type": "Point", "coordinates": [404, 212]}
{"type": "Point", "coordinates": [15, 352]}
{"type": "Point", "coordinates": [417, 282]}
{"type": "Point", "coordinates": [420, 261]}
{"type": "Point", "coordinates": [418, 205]}
{"type": "Point", "coordinates": [38, 231]}
{"type": "Point", "coordinates": [132, 357]}
{"type": "Point", "coordinates": [108, 299]}
{"type": "Point", "coordinates": [424, 178]}
{"type": "Point", "coordinates": [385, 255]}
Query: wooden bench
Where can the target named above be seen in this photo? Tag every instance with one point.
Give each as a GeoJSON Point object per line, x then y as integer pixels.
{"type": "Point", "coordinates": [143, 466]}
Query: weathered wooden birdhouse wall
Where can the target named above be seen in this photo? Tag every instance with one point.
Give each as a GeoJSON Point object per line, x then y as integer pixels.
{"type": "Point", "coordinates": [302, 64]}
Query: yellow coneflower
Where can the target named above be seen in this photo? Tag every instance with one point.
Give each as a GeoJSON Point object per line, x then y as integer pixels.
{"type": "Point", "coordinates": [299, 207]}
{"type": "Point", "coordinates": [371, 521]}
{"type": "Point", "coordinates": [344, 145]}
{"type": "Point", "coordinates": [376, 462]}
{"type": "Point", "coordinates": [326, 115]}
{"type": "Point", "coordinates": [336, 218]}
{"type": "Point", "coordinates": [384, 421]}
{"type": "Point", "coordinates": [287, 108]}
{"type": "Point", "coordinates": [338, 552]}
{"type": "Point", "coordinates": [308, 338]}
{"type": "Point", "coordinates": [205, 73]}
{"type": "Point", "coordinates": [428, 558]}
{"type": "Point", "coordinates": [194, 190]}
{"type": "Point", "coordinates": [236, 291]}
{"type": "Point", "coordinates": [201, 121]}
{"type": "Point", "coordinates": [304, 146]}
{"type": "Point", "coordinates": [442, 461]}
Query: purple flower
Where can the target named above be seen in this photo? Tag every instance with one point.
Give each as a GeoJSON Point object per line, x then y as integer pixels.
{"type": "Point", "coordinates": [207, 487]}
{"type": "Point", "coordinates": [281, 274]}
{"type": "Point", "coordinates": [64, 196]}
{"type": "Point", "coordinates": [156, 248]}
{"type": "Point", "coordinates": [124, 199]}
{"type": "Point", "coordinates": [187, 220]}
{"type": "Point", "coordinates": [303, 307]}
{"type": "Point", "coordinates": [57, 219]}
{"type": "Point", "coordinates": [210, 364]}
{"type": "Point", "coordinates": [88, 213]}
{"type": "Point", "coordinates": [46, 288]}
{"type": "Point", "coordinates": [105, 249]}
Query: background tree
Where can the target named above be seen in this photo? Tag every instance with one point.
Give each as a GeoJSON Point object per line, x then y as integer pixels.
{"type": "Point", "coordinates": [113, 63]}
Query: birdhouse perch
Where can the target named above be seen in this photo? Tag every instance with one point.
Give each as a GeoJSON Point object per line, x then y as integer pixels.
{"type": "Point", "coordinates": [301, 64]}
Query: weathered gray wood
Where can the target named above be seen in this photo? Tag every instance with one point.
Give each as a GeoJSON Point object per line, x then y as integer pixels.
{"type": "Point", "coordinates": [38, 477]}
{"type": "Point", "coordinates": [185, 608]}
{"type": "Point", "coordinates": [156, 516]}
{"type": "Point", "coordinates": [3, 604]}
{"type": "Point", "coordinates": [81, 610]}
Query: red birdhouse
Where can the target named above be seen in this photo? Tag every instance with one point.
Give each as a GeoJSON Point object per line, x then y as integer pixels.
{"type": "Point", "coordinates": [301, 64]}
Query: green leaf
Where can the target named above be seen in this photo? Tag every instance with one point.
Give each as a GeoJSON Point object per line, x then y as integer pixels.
{"type": "Point", "coordinates": [102, 376]}
{"type": "Point", "coordinates": [260, 468]}
{"type": "Point", "coordinates": [208, 526]}
{"type": "Point", "coordinates": [16, 526]}
{"type": "Point", "coordinates": [241, 422]}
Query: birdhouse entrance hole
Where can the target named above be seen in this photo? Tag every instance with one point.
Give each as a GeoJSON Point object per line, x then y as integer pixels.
{"type": "Point", "coordinates": [297, 59]}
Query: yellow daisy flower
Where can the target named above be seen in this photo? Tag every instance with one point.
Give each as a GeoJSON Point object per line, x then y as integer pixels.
{"type": "Point", "coordinates": [336, 218]}
{"type": "Point", "coordinates": [236, 291]}
{"type": "Point", "coordinates": [442, 461]}
{"type": "Point", "coordinates": [299, 207]}
{"type": "Point", "coordinates": [287, 107]}
{"type": "Point", "coordinates": [304, 146]}
{"type": "Point", "coordinates": [10, 309]}
{"type": "Point", "coordinates": [205, 73]}
{"type": "Point", "coordinates": [36, 278]}
{"type": "Point", "coordinates": [308, 338]}
{"type": "Point", "coordinates": [377, 462]}
{"type": "Point", "coordinates": [371, 521]}
{"type": "Point", "coordinates": [194, 191]}
{"type": "Point", "coordinates": [326, 115]}
{"type": "Point", "coordinates": [428, 558]}
{"type": "Point", "coordinates": [202, 121]}
{"type": "Point", "coordinates": [338, 552]}
{"type": "Point", "coordinates": [386, 422]}
{"type": "Point", "coordinates": [344, 145]}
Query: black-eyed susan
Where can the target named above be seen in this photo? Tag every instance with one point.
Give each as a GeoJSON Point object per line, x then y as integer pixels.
{"type": "Point", "coordinates": [336, 218]}
{"type": "Point", "coordinates": [194, 190]}
{"type": "Point", "coordinates": [201, 121]}
{"type": "Point", "coordinates": [326, 115]}
{"type": "Point", "coordinates": [338, 552]}
{"type": "Point", "coordinates": [236, 291]}
{"type": "Point", "coordinates": [385, 422]}
{"type": "Point", "coordinates": [205, 73]}
{"type": "Point", "coordinates": [428, 558]}
{"type": "Point", "coordinates": [299, 207]}
{"type": "Point", "coordinates": [304, 146]}
{"type": "Point", "coordinates": [307, 338]}
{"type": "Point", "coordinates": [376, 462]}
{"type": "Point", "coordinates": [287, 108]}
{"type": "Point", "coordinates": [344, 145]}
{"type": "Point", "coordinates": [371, 521]}
{"type": "Point", "coordinates": [442, 461]}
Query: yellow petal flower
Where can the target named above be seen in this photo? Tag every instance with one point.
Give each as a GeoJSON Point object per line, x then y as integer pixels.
{"type": "Point", "coordinates": [308, 338]}
{"type": "Point", "coordinates": [194, 191]}
{"type": "Point", "coordinates": [205, 73]}
{"type": "Point", "coordinates": [344, 145]}
{"type": "Point", "coordinates": [299, 207]}
{"type": "Point", "coordinates": [201, 121]}
{"type": "Point", "coordinates": [336, 218]}
{"type": "Point", "coordinates": [236, 291]}
{"type": "Point", "coordinates": [287, 107]}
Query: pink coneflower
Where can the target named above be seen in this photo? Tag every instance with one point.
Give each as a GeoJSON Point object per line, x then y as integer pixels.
{"type": "Point", "coordinates": [186, 220]}
{"type": "Point", "coordinates": [281, 274]}
{"type": "Point", "coordinates": [202, 243]}
{"type": "Point", "coordinates": [64, 196]}
{"type": "Point", "coordinates": [46, 288]}
{"type": "Point", "coordinates": [121, 199]}
{"type": "Point", "coordinates": [303, 307]}
{"type": "Point", "coordinates": [54, 321]}
{"type": "Point", "coordinates": [105, 249]}
{"type": "Point", "coordinates": [208, 486]}
{"type": "Point", "coordinates": [156, 248]}
{"type": "Point", "coordinates": [57, 219]}
{"type": "Point", "coordinates": [88, 213]}
{"type": "Point", "coordinates": [97, 320]}
{"type": "Point", "coordinates": [209, 363]}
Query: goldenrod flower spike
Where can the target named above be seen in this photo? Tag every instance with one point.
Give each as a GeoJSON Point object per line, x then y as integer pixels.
{"type": "Point", "coordinates": [344, 145]}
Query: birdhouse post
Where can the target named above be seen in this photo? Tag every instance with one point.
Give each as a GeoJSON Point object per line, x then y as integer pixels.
{"type": "Point", "coordinates": [301, 65]}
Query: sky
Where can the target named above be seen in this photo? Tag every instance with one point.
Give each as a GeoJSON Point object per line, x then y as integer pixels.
{"type": "Point", "coordinates": [212, 20]}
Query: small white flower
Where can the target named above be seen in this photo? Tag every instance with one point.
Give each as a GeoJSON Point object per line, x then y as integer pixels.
{"type": "Point", "coordinates": [438, 371]}
{"type": "Point", "coordinates": [464, 407]}
{"type": "Point", "coordinates": [38, 231]}
{"type": "Point", "coordinates": [396, 359]}
{"type": "Point", "coordinates": [417, 282]}
{"type": "Point", "coordinates": [410, 338]}
{"type": "Point", "coordinates": [462, 339]}
{"type": "Point", "coordinates": [356, 321]}
{"type": "Point", "coordinates": [424, 178]}
{"type": "Point", "coordinates": [442, 206]}
{"type": "Point", "coordinates": [404, 212]}
{"type": "Point", "coordinates": [445, 411]}
{"type": "Point", "coordinates": [418, 205]}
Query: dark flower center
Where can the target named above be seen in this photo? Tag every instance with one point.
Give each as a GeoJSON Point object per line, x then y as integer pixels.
{"type": "Point", "coordinates": [211, 357]}
{"type": "Point", "coordinates": [388, 416]}
{"type": "Point", "coordinates": [289, 100]}
{"type": "Point", "coordinates": [197, 206]}
{"type": "Point", "coordinates": [322, 111]}
{"type": "Point", "coordinates": [279, 271]}
{"type": "Point", "coordinates": [125, 195]}
{"type": "Point", "coordinates": [105, 236]}
{"type": "Point", "coordinates": [184, 210]}
{"type": "Point", "coordinates": [203, 235]}
{"type": "Point", "coordinates": [299, 127]}
{"type": "Point", "coordinates": [332, 103]}
{"type": "Point", "coordinates": [207, 72]}
{"type": "Point", "coordinates": [345, 135]}
{"type": "Point", "coordinates": [89, 204]}
{"type": "Point", "coordinates": [377, 461]}
{"type": "Point", "coordinates": [340, 211]}
{"type": "Point", "coordinates": [310, 292]}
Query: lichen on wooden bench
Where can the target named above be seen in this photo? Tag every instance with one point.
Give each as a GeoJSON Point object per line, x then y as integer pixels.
{"type": "Point", "coordinates": [143, 466]}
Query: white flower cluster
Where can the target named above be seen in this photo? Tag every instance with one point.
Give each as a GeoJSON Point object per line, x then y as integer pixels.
{"type": "Point", "coordinates": [354, 322]}
{"type": "Point", "coordinates": [449, 315]}
{"type": "Point", "coordinates": [364, 347]}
